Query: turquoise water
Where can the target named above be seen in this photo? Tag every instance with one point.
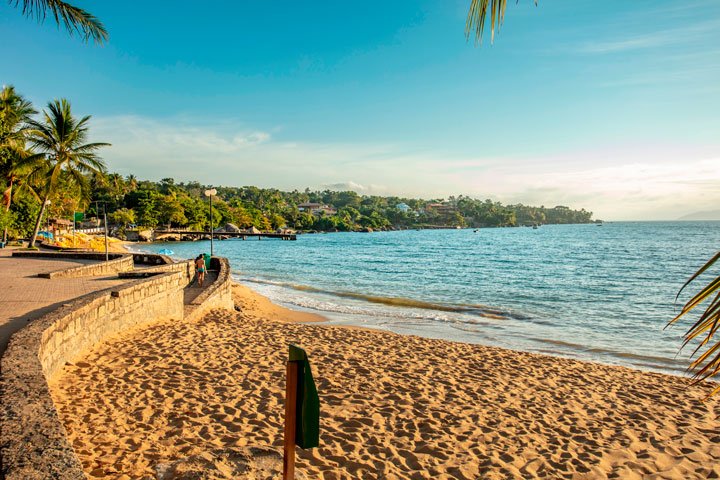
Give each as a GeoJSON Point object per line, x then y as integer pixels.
{"type": "Point", "coordinates": [601, 293]}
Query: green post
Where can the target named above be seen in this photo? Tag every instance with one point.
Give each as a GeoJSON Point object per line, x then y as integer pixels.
{"type": "Point", "coordinates": [302, 409]}
{"type": "Point", "coordinates": [307, 432]}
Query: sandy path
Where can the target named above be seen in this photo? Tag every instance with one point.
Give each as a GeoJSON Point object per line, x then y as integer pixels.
{"type": "Point", "coordinates": [392, 406]}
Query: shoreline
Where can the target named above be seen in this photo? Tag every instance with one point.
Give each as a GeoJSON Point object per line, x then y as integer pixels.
{"type": "Point", "coordinates": [381, 313]}
{"type": "Point", "coordinates": [392, 406]}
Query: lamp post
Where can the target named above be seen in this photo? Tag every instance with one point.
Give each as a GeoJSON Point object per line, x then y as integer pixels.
{"type": "Point", "coordinates": [106, 232]}
{"type": "Point", "coordinates": [47, 219]}
{"type": "Point", "coordinates": [105, 229]}
{"type": "Point", "coordinates": [210, 193]}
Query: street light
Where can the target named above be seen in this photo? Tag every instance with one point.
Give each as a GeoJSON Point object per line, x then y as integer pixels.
{"type": "Point", "coordinates": [210, 193]}
{"type": "Point", "coordinates": [47, 220]}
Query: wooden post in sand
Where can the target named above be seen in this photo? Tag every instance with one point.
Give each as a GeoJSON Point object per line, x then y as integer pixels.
{"type": "Point", "coordinates": [302, 409]}
{"type": "Point", "coordinates": [290, 420]}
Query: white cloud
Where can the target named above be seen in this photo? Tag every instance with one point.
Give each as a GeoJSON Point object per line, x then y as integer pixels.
{"type": "Point", "coordinates": [662, 38]}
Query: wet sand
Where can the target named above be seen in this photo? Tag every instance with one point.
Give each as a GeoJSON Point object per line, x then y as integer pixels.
{"type": "Point", "coordinates": [392, 406]}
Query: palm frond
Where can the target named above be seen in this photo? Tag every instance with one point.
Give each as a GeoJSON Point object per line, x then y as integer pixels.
{"type": "Point", "coordinates": [75, 20]}
{"type": "Point", "coordinates": [707, 364]}
{"type": "Point", "coordinates": [477, 14]}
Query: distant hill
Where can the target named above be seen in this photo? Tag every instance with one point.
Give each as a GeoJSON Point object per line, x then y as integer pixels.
{"type": "Point", "coordinates": [707, 215]}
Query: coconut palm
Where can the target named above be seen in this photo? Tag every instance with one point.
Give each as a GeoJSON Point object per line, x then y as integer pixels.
{"type": "Point", "coordinates": [475, 23]}
{"type": "Point", "coordinates": [60, 140]}
{"type": "Point", "coordinates": [707, 364]}
{"type": "Point", "coordinates": [15, 113]}
{"type": "Point", "coordinates": [75, 20]}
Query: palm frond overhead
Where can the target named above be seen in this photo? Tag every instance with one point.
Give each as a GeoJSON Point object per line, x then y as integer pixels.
{"type": "Point", "coordinates": [478, 13]}
{"type": "Point", "coordinates": [707, 364]}
{"type": "Point", "coordinates": [74, 19]}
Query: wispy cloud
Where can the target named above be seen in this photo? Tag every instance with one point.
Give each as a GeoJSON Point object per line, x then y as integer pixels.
{"type": "Point", "coordinates": [657, 39]}
{"type": "Point", "coordinates": [371, 189]}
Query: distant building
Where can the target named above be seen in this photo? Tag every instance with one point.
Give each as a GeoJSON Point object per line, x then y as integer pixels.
{"type": "Point", "coordinates": [317, 208]}
{"type": "Point", "coordinates": [439, 208]}
{"type": "Point", "coordinates": [309, 206]}
{"type": "Point", "coordinates": [403, 207]}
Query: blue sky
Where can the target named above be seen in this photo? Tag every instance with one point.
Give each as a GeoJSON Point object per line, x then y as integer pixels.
{"type": "Point", "coordinates": [611, 106]}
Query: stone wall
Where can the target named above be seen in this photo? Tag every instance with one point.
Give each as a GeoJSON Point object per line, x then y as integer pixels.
{"type": "Point", "coordinates": [117, 262]}
{"type": "Point", "coordinates": [97, 256]}
{"type": "Point", "coordinates": [121, 264]}
{"type": "Point", "coordinates": [33, 443]}
{"type": "Point", "coordinates": [217, 295]}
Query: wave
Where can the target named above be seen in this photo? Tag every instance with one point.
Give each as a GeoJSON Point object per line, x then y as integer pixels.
{"type": "Point", "coordinates": [483, 311]}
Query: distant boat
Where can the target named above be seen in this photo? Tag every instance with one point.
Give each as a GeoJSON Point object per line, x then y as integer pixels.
{"type": "Point", "coordinates": [476, 230]}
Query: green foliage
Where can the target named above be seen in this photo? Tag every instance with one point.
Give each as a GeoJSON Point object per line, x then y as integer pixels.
{"type": "Point", "coordinates": [122, 216]}
{"type": "Point", "coordinates": [25, 210]}
{"type": "Point", "coordinates": [7, 219]}
{"type": "Point", "coordinates": [707, 364]}
{"type": "Point", "coordinates": [63, 154]}
{"type": "Point", "coordinates": [183, 205]}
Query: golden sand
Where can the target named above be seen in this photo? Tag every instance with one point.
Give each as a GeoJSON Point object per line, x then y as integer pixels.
{"type": "Point", "coordinates": [392, 406]}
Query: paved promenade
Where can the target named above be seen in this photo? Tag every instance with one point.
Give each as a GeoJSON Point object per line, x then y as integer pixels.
{"type": "Point", "coordinates": [25, 297]}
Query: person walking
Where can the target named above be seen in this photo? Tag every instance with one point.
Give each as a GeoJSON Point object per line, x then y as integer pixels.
{"type": "Point", "coordinates": [200, 269]}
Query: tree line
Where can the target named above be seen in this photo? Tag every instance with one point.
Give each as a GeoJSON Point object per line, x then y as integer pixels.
{"type": "Point", "coordinates": [49, 170]}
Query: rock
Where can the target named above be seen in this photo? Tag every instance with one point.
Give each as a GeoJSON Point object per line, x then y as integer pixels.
{"type": "Point", "coordinates": [145, 235]}
{"type": "Point", "coordinates": [249, 463]}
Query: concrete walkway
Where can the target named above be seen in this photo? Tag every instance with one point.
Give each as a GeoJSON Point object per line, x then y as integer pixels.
{"type": "Point", "coordinates": [25, 297]}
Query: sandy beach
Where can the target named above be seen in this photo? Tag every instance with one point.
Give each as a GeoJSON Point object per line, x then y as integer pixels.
{"type": "Point", "coordinates": [392, 406]}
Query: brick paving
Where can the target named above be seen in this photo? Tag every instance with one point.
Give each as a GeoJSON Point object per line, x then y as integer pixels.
{"type": "Point", "coordinates": [25, 297]}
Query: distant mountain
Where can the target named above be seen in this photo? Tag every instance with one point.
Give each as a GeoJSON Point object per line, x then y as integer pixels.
{"type": "Point", "coordinates": [707, 215]}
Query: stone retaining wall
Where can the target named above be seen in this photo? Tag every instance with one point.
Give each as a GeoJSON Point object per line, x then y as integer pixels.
{"type": "Point", "coordinates": [151, 259]}
{"type": "Point", "coordinates": [218, 294]}
{"type": "Point", "coordinates": [121, 264]}
{"type": "Point", "coordinates": [34, 444]}
{"type": "Point", "coordinates": [97, 256]}
{"type": "Point", "coordinates": [117, 262]}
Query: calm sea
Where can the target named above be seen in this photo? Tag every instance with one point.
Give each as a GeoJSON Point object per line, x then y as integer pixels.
{"type": "Point", "coordinates": [601, 293]}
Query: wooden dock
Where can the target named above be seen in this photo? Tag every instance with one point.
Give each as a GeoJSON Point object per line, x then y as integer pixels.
{"type": "Point", "coordinates": [221, 235]}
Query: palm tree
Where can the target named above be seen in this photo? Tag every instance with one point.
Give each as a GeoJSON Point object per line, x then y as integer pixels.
{"type": "Point", "coordinates": [75, 20]}
{"type": "Point", "coordinates": [15, 113]}
{"type": "Point", "coordinates": [475, 23]}
{"type": "Point", "coordinates": [708, 363]}
{"type": "Point", "coordinates": [60, 141]}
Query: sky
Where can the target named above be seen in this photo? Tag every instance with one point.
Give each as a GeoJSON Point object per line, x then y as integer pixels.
{"type": "Point", "coordinates": [608, 106]}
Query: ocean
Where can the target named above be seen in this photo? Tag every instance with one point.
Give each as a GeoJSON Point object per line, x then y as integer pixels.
{"type": "Point", "coordinates": [598, 293]}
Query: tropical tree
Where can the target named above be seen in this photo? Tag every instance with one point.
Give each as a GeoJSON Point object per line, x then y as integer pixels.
{"type": "Point", "coordinates": [75, 20]}
{"type": "Point", "coordinates": [59, 138]}
{"type": "Point", "coordinates": [707, 364]}
{"type": "Point", "coordinates": [15, 113]}
{"type": "Point", "coordinates": [122, 216]}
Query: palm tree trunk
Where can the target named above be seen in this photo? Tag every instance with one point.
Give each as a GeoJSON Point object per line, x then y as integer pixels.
{"type": "Point", "coordinates": [31, 243]}
{"type": "Point", "coordinates": [7, 197]}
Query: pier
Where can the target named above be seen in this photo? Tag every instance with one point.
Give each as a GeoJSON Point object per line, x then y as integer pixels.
{"type": "Point", "coordinates": [242, 235]}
